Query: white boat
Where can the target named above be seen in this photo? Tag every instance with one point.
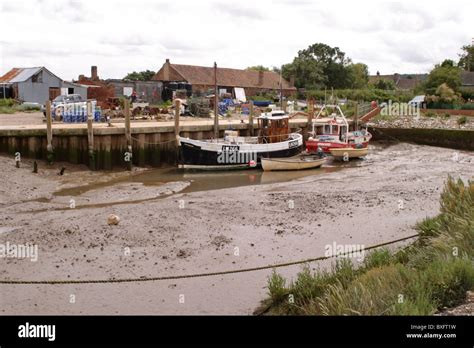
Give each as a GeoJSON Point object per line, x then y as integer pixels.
{"type": "Point", "coordinates": [349, 152]}
{"type": "Point", "coordinates": [298, 162]}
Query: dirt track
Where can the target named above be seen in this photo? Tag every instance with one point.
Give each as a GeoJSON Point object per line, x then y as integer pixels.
{"type": "Point", "coordinates": [354, 205]}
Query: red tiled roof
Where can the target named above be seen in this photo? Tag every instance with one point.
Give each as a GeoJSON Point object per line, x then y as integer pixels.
{"type": "Point", "coordinates": [200, 75]}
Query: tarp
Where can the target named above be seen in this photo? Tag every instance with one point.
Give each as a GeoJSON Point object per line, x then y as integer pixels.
{"type": "Point", "coordinates": [240, 94]}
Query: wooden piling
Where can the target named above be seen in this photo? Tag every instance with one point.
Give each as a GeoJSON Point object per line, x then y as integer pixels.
{"type": "Point", "coordinates": [310, 105]}
{"type": "Point", "coordinates": [251, 131]}
{"type": "Point", "coordinates": [90, 136]}
{"type": "Point", "coordinates": [49, 132]}
{"type": "Point", "coordinates": [216, 105]}
{"type": "Point", "coordinates": [177, 109]}
{"type": "Point", "coordinates": [128, 134]}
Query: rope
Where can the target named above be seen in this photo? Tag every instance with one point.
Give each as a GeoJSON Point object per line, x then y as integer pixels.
{"type": "Point", "coordinates": [198, 275]}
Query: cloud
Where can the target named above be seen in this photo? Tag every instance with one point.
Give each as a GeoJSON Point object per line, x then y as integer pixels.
{"type": "Point", "coordinates": [121, 36]}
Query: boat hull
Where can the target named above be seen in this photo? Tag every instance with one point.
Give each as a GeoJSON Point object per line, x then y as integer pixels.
{"type": "Point", "coordinates": [349, 152]}
{"type": "Point", "coordinates": [300, 162]}
{"type": "Point", "coordinates": [196, 154]}
{"type": "Point", "coordinates": [326, 146]}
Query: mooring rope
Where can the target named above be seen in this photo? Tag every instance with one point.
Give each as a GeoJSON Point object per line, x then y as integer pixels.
{"type": "Point", "coordinates": [197, 275]}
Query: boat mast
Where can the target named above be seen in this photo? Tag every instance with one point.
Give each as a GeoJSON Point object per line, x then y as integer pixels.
{"type": "Point", "coordinates": [216, 108]}
{"type": "Point", "coordinates": [281, 88]}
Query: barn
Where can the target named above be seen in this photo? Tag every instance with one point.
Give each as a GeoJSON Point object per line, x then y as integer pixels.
{"type": "Point", "coordinates": [201, 79]}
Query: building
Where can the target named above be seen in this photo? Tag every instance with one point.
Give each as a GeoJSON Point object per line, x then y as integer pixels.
{"type": "Point", "coordinates": [202, 79]}
{"type": "Point", "coordinates": [147, 91]}
{"type": "Point", "coordinates": [37, 85]}
{"type": "Point", "coordinates": [401, 81]}
{"type": "Point", "coordinates": [467, 79]}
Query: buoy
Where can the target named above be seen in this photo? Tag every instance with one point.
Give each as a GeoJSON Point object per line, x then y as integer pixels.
{"type": "Point", "coordinates": [113, 219]}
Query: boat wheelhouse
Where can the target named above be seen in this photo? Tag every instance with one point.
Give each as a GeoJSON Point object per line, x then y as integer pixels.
{"type": "Point", "coordinates": [332, 131]}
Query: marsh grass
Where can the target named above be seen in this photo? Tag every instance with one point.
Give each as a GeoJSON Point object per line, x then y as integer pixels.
{"type": "Point", "coordinates": [432, 273]}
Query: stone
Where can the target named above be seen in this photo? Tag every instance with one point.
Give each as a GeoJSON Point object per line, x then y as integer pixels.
{"type": "Point", "coordinates": [113, 219]}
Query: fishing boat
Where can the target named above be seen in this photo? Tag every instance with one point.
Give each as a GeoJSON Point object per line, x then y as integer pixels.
{"type": "Point", "coordinates": [236, 152]}
{"type": "Point", "coordinates": [298, 162]}
{"type": "Point", "coordinates": [332, 132]}
{"type": "Point", "coordinates": [349, 152]}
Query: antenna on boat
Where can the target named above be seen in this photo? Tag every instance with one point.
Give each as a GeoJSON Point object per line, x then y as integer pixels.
{"type": "Point", "coordinates": [281, 88]}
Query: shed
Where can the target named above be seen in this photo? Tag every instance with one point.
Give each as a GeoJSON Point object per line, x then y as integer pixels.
{"type": "Point", "coordinates": [38, 84]}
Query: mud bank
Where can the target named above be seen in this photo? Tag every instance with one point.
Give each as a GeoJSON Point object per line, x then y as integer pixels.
{"type": "Point", "coordinates": [166, 231]}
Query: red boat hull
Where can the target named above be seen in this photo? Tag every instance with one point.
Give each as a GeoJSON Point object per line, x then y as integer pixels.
{"type": "Point", "coordinates": [312, 145]}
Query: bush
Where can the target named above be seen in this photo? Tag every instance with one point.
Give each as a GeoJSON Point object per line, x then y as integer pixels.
{"type": "Point", "coordinates": [467, 106]}
{"type": "Point", "coordinates": [7, 102]}
{"type": "Point", "coordinates": [462, 120]}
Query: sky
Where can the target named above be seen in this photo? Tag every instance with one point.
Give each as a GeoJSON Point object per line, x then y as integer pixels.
{"type": "Point", "coordinates": [68, 36]}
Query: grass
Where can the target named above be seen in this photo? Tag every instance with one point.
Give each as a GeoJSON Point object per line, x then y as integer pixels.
{"type": "Point", "coordinates": [432, 273]}
{"type": "Point", "coordinates": [10, 106]}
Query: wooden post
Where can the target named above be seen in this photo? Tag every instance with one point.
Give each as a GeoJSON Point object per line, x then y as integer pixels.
{"type": "Point", "coordinates": [284, 105]}
{"type": "Point", "coordinates": [177, 111]}
{"type": "Point", "coordinates": [310, 104]}
{"type": "Point", "coordinates": [216, 106]}
{"type": "Point", "coordinates": [356, 116]}
{"type": "Point", "coordinates": [128, 135]}
{"type": "Point", "coordinates": [251, 118]}
{"type": "Point", "coordinates": [49, 132]}
{"type": "Point", "coordinates": [90, 136]}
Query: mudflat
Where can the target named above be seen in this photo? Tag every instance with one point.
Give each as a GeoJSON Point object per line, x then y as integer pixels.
{"type": "Point", "coordinates": [169, 229]}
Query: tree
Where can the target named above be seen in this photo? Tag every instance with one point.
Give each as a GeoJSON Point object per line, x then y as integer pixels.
{"type": "Point", "coordinates": [384, 84]}
{"type": "Point", "coordinates": [258, 68]}
{"type": "Point", "coordinates": [319, 66]}
{"type": "Point", "coordinates": [466, 58]}
{"type": "Point", "coordinates": [146, 75]}
{"type": "Point", "coordinates": [358, 75]}
{"type": "Point", "coordinates": [443, 94]}
{"type": "Point", "coordinates": [443, 73]}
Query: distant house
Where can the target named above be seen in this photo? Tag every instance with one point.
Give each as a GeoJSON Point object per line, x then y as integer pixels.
{"type": "Point", "coordinates": [202, 79]}
{"type": "Point", "coordinates": [401, 81]}
{"type": "Point", "coordinates": [467, 79]}
{"type": "Point", "coordinates": [38, 85]}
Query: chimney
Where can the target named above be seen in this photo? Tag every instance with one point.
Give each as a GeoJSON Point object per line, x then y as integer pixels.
{"type": "Point", "coordinates": [292, 80]}
{"type": "Point", "coordinates": [260, 78]}
{"type": "Point", "coordinates": [166, 70]}
{"type": "Point", "coordinates": [94, 73]}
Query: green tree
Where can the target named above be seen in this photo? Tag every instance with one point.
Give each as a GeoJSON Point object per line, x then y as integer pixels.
{"type": "Point", "coordinates": [443, 73]}
{"type": "Point", "coordinates": [146, 75]}
{"type": "Point", "coordinates": [466, 58]}
{"type": "Point", "coordinates": [384, 84]}
{"type": "Point", "coordinates": [258, 68]}
{"type": "Point", "coordinates": [319, 66]}
{"type": "Point", "coordinates": [358, 75]}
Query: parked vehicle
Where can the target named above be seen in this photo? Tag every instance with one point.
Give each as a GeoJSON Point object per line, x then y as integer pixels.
{"type": "Point", "coordinates": [72, 103]}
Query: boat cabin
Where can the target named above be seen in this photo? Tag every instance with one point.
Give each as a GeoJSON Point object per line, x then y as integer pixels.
{"type": "Point", "coordinates": [273, 127]}
{"type": "Point", "coordinates": [330, 126]}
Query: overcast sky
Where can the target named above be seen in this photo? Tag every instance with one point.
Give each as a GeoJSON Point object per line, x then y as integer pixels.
{"type": "Point", "coordinates": [121, 36]}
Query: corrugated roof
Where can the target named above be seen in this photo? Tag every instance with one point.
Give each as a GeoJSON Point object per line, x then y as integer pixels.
{"type": "Point", "coordinates": [200, 75]}
{"type": "Point", "coordinates": [19, 74]}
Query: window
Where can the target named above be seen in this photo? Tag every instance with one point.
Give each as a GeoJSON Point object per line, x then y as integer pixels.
{"type": "Point", "coordinates": [38, 78]}
{"type": "Point", "coordinates": [70, 90]}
